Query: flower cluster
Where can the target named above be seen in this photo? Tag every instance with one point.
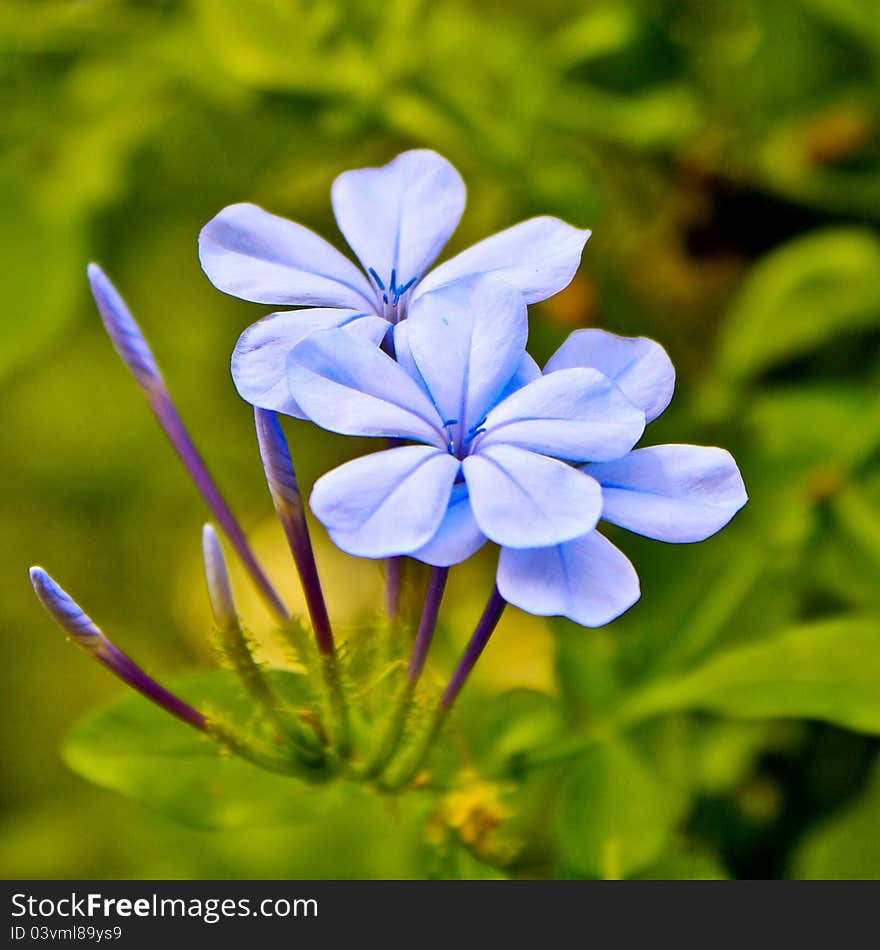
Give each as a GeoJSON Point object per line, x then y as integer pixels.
{"type": "Point", "coordinates": [482, 444]}
{"type": "Point", "coordinates": [503, 451]}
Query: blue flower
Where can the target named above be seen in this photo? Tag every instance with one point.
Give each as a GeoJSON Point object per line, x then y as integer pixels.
{"type": "Point", "coordinates": [673, 493]}
{"type": "Point", "coordinates": [396, 219]}
{"type": "Point", "coordinates": [497, 438]}
{"type": "Point", "coordinates": [498, 442]}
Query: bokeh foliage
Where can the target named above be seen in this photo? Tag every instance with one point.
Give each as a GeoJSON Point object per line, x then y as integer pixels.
{"type": "Point", "coordinates": [726, 154]}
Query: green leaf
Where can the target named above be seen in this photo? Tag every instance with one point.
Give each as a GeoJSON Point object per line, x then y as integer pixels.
{"type": "Point", "coordinates": [613, 817]}
{"type": "Point", "coordinates": [846, 560]}
{"type": "Point", "coordinates": [859, 517]}
{"type": "Point", "coordinates": [459, 864]}
{"type": "Point", "coordinates": [42, 273]}
{"type": "Point", "coordinates": [662, 115]}
{"type": "Point", "coordinates": [667, 747]}
{"type": "Point", "coordinates": [685, 866]}
{"type": "Point", "coordinates": [727, 751]}
{"type": "Point", "coordinates": [799, 297]}
{"type": "Point", "coordinates": [808, 427]}
{"type": "Point", "coordinates": [855, 16]}
{"type": "Point", "coordinates": [846, 847]}
{"type": "Point", "coordinates": [514, 723]}
{"type": "Point", "coordinates": [137, 749]}
{"type": "Point", "coordinates": [594, 34]}
{"type": "Point", "coordinates": [828, 670]}
{"type": "Point", "coordinates": [586, 668]}
{"type": "Point", "coordinates": [273, 45]}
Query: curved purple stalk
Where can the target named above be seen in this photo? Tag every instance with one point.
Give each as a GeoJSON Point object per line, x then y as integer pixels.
{"type": "Point", "coordinates": [65, 611]}
{"type": "Point", "coordinates": [132, 347]}
{"type": "Point", "coordinates": [477, 643]}
{"type": "Point", "coordinates": [427, 624]}
{"type": "Point", "coordinates": [281, 479]}
{"type": "Point", "coordinates": [389, 738]}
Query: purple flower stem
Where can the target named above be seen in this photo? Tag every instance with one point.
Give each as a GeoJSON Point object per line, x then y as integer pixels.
{"type": "Point", "coordinates": [174, 428]}
{"type": "Point", "coordinates": [304, 556]}
{"type": "Point", "coordinates": [390, 736]}
{"type": "Point", "coordinates": [134, 351]}
{"type": "Point", "coordinates": [129, 672]}
{"type": "Point", "coordinates": [428, 623]}
{"type": "Point", "coordinates": [86, 634]}
{"type": "Point", "coordinates": [477, 643]}
{"type": "Point", "coordinates": [281, 478]}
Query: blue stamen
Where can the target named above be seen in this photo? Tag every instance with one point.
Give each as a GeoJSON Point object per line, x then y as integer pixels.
{"type": "Point", "coordinates": [391, 293]}
{"type": "Point", "coordinates": [400, 291]}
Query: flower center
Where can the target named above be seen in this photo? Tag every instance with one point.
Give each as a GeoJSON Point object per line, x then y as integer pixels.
{"type": "Point", "coordinates": [392, 294]}
{"type": "Point", "coordinates": [461, 443]}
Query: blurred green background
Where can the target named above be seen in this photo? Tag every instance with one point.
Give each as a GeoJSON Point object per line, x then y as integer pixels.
{"type": "Point", "coordinates": [726, 154]}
